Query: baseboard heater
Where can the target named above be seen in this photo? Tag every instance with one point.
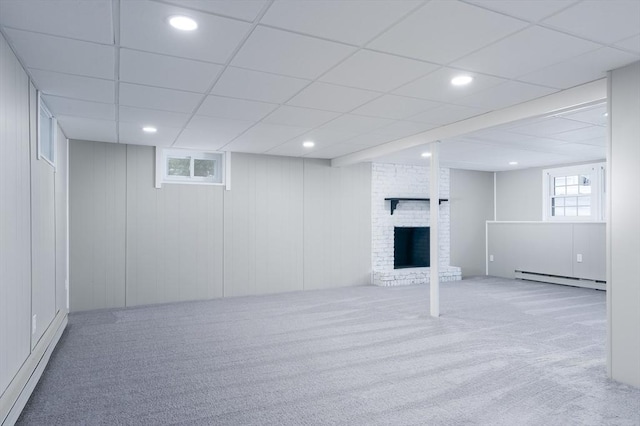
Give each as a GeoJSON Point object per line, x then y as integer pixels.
{"type": "Point", "coordinates": [556, 279]}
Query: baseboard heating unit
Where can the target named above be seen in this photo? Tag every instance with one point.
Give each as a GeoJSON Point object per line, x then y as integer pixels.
{"type": "Point", "coordinates": [555, 279]}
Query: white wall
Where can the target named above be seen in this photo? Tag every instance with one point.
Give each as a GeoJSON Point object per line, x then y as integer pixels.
{"type": "Point", "coordinates": [287, 224]}
{"type": "Point", "coordinates": [624, 225]}
{"type": "Point", "coordinates": [33, 248]}
{"type": "Point", "coordinates": [519, 194]}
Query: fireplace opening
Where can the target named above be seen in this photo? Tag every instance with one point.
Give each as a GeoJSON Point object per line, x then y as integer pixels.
{"type": "Point", "coordinates": [411, 247]}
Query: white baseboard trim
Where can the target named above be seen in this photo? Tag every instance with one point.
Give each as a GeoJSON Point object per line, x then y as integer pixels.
{"type": "Point", "coordinates": [19, 390]}
{"type": "Point", "coordinates": [553, 279]}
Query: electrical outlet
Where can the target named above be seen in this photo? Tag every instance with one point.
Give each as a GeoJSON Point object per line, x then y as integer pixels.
{"type": "Point", "coordinates": [579, 258]}
{"type": "Point", "coordinates": [34, 324]}
{"type": "Point", "coordinates": [490, 258]}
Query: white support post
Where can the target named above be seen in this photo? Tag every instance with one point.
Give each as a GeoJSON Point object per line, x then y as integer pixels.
{"type": "Point", "coordinates": [434, 194]}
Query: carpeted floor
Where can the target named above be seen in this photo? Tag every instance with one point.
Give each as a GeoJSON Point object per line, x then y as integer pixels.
{"type": "Point", "coordinates": [503, 353]}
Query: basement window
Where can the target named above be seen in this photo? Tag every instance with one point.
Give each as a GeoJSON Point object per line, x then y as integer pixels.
{"type": "Point", "coordinates": [574, 193]}
{"type": "Point", "coordinates": [189, 167]}
{"type": "Point", "coordinates": [46, 133]}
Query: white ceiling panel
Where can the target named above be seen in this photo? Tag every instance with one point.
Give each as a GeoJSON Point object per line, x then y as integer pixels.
{"type": "Point", "coordinates": [579, 151]}
{"type": "Point", "coordinates": [78, 108]}
{"type": "Point", "coordinates": [323, 136]}
{"type": "Point", "coordinates": [299, 117]}
{"type": "Point", "coordinates": [592, 115]}
{"type": "Point", "coordinates": [258, 86]}
{"type": "Point", "coordinates": [156, 98]}
{"type": "Point", "coordinates": [211, 132]}
{"type": "Point", "coordinates": [547, 127]}
{"type": "Point", "coordinates": [74, 86]}
{"type": "Point", "coordinates": [295, 55]}
{"type": "Point", "coordinates": [78, 19]}
{"type": "Point", "coordinates": [601, 21]}
{"type": "Point", "coordinates": [152, 70]}
{"type": "Point", "coordinates": [400, 129]}
{"type": "Point", "coordinates": [631, 43]}
{"type": "Point", "coordinates": [130, 133]}
{"type": "Point", "coordinates": [357, 123]}
{"type": "Point", "coordinates": [377, 71]}
{"type": "Point", "coordinates": [437, 85]}
{"type": "Point", "coordinates": [246, 10]}
{"type": "Point", "coordinates": [235, 109]}
{"type": "Point", "coordinates": [82, 128]}
{"type": "Point", "coordinates": [584, 134]}
{"type": "Point", "coordinates": [143, 26]}
{"type": "Point", "coordinates": [442, 31]}
{"type": "Point", "coordinates": [63, 54]}
{"type": "Point", "coordinates": [367, 140]}
{"type": "Point", "coordinates": [447, 114]}
{"type": "Point", "coordinates": [152, 117]}
{"type": "Point", "coordinates": [504, 95]}
{"type": "Point", "coordinates": [530, 10]}
{"type": "Point", "coordinates": [395, 107]}
{"type": "Point", "coordinates": [336, 150]}
{"type": "Point", "coordinates": [581, 69]}
{"type": "Point", "coordinates": [332, 98]}
{"type": "Point", "coordinates": [527, 51]}
{"type": "Point", "coordinates": [262, 137]}
{"type": "Point", "coordinates": [354, 21]}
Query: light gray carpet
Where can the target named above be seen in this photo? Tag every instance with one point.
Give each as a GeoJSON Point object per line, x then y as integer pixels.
{"type": "Point", "coordinates": [503, 353]}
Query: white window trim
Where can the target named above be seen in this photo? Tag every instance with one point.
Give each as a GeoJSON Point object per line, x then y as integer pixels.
{"type": "Point", "coordinates": [597, 171]}
{"type": "Point", "coordinates": [54, 133]}
{"type": "Point", "coordinates": [161, 163]}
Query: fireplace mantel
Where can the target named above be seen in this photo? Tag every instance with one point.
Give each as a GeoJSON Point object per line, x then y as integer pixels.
{"type": "Point", "coordinates": [396, 200]}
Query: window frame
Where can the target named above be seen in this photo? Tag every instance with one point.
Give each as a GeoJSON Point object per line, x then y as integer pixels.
{"type": "Point", "coordinates": [596, 172]}
{"type": "Point", "coordinates": [164, 154]}
{"type": "Point", "coordinates": [42, 107]}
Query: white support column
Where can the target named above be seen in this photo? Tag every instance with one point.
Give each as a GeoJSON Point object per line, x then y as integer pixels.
{"type": "Point", "coordinates": [434, 262]}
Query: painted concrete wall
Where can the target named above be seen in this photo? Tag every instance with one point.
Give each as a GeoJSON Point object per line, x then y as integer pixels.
{"type": "Point", "coordinates": [624, 225]}
{"type": "Point", "coordinates": [471, 206]}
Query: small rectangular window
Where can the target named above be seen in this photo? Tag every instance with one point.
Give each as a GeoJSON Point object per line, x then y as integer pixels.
{"type": "Point", "coordinates": [574, 193]}
{"type": "Point", "coordinates": [46, 133]}
{"type": "Point", "coordinates": [190, 167]}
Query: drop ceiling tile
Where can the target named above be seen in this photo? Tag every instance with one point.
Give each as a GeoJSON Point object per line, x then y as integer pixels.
{"type": "Point", "coordinates": [498, 137]}
{"type": "Point", "coordinates": [583, 134]}
{"type": "Point", "coordinates": [88, 129]}
{"type": "Point", "coordinates": [132, 134]}
{"type": "Point", "coordinates": [352, 21]}
{"type": "Point", "coordinates": [235, 109]}
{"type": "Point", "coordinates": [78, 108]}
{"type": "Point", "coordinates": [143, 26]}
{"type": "Point", "coordinates": [547, 127]}
{"type": "Point", "coordinates": [166, 71]}
{"type": "Point", "coordinates": [395, 107]}
{"type": "Point", "coordinates": [74, 86]}
{"type": "Point", "coordinates": [357, 123]}
{"type": "Point", "coordinates": [211, 132]}
{"type": "Point", "coordinates": [332, 98]}
{"type": "Point", "coordinates": [299, 117]}
{"type": "Point", "coordinates": [152, 117]}
{"type": "Point", "coordinates": [336, 150]}
{"type": "Point", "coordinates": [579, 151]}
{"type": "Point", "coordinates": [631, 43]}
{"type": "Point", "coordinates": [601, 21]}
{"type": "Point", "coordinates": [402, 129]}
{"type": "Point", "coordinates": [63, 55]}
{"type": "Point", "coordinates": [581, 69]}
{"type": "Point", "coordinates": [156, 98]}
{"type": "Point", "coordinates": [530, 10]}
{"type": "Point", "coordinates": [442, 31]}
{"type": "Point", "coordinates": [81, 20]}
{"type": "Point", "coordinates": [528, 50]}
{"type": "Point", "coordinates": [262, 137]}
{"type": "Point", "coordinates": [593, 115]}
{"type": "Point", "coordinates": [259, 86]}
{"type": "Point", "coordinates": [368, 140]}
{"type": "Point", "coordinates": [504, 95]}
{"type": "Point", "coordinates": [447, 114]}
{"type": "Point", "coordinates": [377, 71]}
{"type": "Point", "coordinates": [322, 136]}
{"type": "Point", "coordinates": [285, 53]}
{"type": "Point", "coordinates": [437, 85]}
{"type": "Point", "coordinates": [246, 10]}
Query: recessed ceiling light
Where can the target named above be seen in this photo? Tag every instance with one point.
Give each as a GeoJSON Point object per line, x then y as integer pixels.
{"type": "Point", "coordinates": [149, 129]}
{"type": "Point", "coordinates": [513, 163]}
{"type": "Point", "coordinates": [461, 80]}
{"type": "Point", "coordinates": [426, 154]}
{"type": "Point", "coordinates": [606, 114]}
{"type": "Point", "coordinates": [308, 144]}
{"type": "Point", "coordinates": [183, 23]}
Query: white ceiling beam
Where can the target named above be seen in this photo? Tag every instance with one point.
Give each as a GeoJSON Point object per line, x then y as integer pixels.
{"type": "Point", "coordinates": [582, 95]}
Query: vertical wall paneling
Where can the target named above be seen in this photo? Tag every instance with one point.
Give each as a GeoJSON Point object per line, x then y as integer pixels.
{"type": "Point", "coordinates": [61, 221]}
{"type": "Point", "coordinates": [337, 225]}
{"type": "Point", "coordinates": [15, 232]}
{"type": "Point", "coordinates": [97, 175]}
